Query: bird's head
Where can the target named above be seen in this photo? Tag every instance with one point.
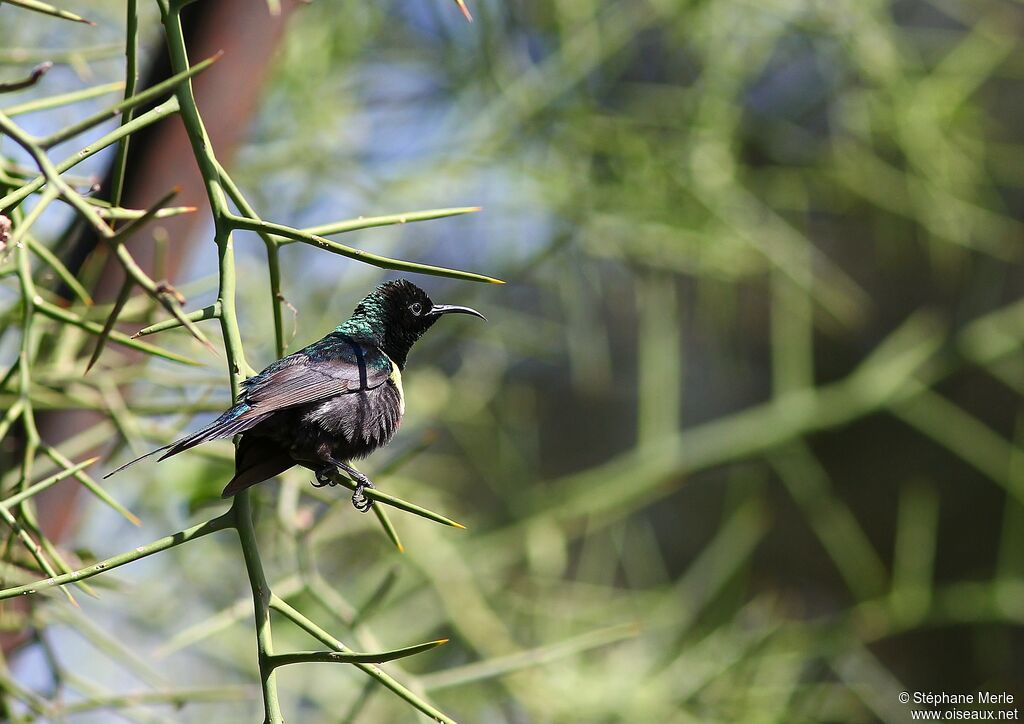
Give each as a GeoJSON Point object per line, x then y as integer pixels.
{"type": "Point", "coordinates": [397, 313]}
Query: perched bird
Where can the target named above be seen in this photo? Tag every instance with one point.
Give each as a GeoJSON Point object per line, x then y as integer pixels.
{"type": "Point", "coordinates": [336, 400]}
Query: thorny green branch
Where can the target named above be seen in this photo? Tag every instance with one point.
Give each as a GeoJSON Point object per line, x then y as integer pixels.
{"type": "Point", "coordinates": [224, 224]}
{"type": "Point", "coordinates": [158, 546]}
{"type": "Point", "coordinates": [33, 77]}
{"type": "Point", "coordinates": [148, 118]}
{"type": "Point", "coordinates": [354, 657]}
{"type": "Point", "coordinates": [162, 293]}
{"type": "Point", "coordinates": [383, 262]}
{"type": "Point", "coordinates": [102, 217]}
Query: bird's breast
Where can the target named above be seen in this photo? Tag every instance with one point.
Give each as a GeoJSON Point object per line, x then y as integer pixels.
{"type": "Point", "coordinates": [360, 421]}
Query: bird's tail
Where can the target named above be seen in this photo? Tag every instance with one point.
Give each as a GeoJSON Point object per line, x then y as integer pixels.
{"type": "Point", "coordinates": [231, 423]}
{"type": "Point", "coordinates": [256, 460]}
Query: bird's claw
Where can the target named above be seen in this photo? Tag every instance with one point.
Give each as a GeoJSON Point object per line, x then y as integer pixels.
{"type": "Point", "coordinates": [359, 501]}
{"type": "Point", "coordinates": [323, 477]}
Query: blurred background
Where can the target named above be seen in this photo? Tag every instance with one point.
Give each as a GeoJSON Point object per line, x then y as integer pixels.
{"type": "Point", "coordinates": [742, 439]}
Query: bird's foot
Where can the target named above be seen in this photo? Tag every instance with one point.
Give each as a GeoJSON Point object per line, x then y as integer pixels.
{"type": "Point", "coordinates": [323, 477]}
{"type": "Point", "coordinates": [359, 500]}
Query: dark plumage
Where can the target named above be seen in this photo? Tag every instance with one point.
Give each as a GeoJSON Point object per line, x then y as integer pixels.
{"type": "Point", "coordinates": [336, 400]}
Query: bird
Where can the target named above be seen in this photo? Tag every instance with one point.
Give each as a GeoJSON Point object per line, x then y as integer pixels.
{"type": "Point", "coordinates": [336, 400]}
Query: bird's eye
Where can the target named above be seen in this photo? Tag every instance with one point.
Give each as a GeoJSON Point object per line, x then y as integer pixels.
{"type": "Point", "coordinates": [416, 308]}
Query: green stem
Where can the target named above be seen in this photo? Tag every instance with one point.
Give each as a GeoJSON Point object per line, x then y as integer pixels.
{"type": "Point", "coordinates": [52, 175]}
{"type": "Point", "coordinates": [177, 697]}
{"type": "Point", "coordinates": [379, 496]}
{"type": "Point", "coordinates": [261, 597]}
{"type": "Point", "coordinates": [52, 261]}
{"type": "Point", "coordinates": [43, 104]}
{"type": "Point", "coordinates": [131, 74]}
{"type": "Point", "coordinates": [199, 315]}
{"type": "Point", "coordinates": [383, 262]}
{"type": "Point", "coordinates": [276, 296]}
{"type": "Point", "coordinates": [353, 657]}
{"type": "Point", "coordinates": [273, 258]}
{"type": "Point", "coordinates": [125, 107]}
{"type": "Point", "coordinates": [42, 485]}
{"type": "Point", "coordinates": [176, 539]}
{"type": "Point", "coordinates": [234, 351]}
{"type": "Point", "coordinates": [62, 315]}
{"type": "Point", "coordinates": [367, 222]}
{"type": "Point", "coordinates": [11, 200]}
{"type": "Point", "coordinates": [47, 9]}
{"type": "Point", "coordinates": [29, 299]}
{"type": "Point", "coordinates": [238, 368]}
{"type": "Point", "coordinates": [418, 701]}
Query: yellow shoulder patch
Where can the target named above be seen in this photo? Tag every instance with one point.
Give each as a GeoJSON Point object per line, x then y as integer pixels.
{"type": "Point", "coordinates": [396, 378]}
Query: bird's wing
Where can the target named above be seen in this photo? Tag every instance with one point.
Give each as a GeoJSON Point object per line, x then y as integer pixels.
{"type": "Point", "coordinates": [336, 365]}
{"type": "Point", "coordinates": [315, 374]}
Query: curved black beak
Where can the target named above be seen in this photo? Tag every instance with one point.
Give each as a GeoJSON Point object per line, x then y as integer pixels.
{"type": "Point", "coordinates": [439, 309]}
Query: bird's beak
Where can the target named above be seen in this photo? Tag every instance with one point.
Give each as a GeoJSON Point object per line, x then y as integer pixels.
{"type": "Point", "coordinates": [439, 309]}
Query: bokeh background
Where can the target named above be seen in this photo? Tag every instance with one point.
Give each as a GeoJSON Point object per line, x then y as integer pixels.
{"type": "Point", "coordinates": [742, 438]}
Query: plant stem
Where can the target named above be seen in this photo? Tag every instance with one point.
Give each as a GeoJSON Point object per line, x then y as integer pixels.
{"type": "Point", "coordinates": [175, 539]}
{"type": "Point", "coordinates": [241, 509]}
{"type": "Point", "coordinates": [352, 657]}
{"type": "Point", "coordinates": [383, 262]}
{"type": "Point", "coordinates": [261, 595]}
{"type": "Point", "coordinates": [418, 701]}
{"type": "Point", "coordinates": [148, 118]}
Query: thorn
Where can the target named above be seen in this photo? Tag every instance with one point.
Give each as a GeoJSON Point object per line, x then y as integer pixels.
{"type": "Point", "coordinates": [464, 9]}
{"type": "Point", "coordinates": [165, 287]}
{"type": "Point", "coordinates": [440, 642]}
{"type": "Point", "coordinates": [401, 548]}
{"type": "Point", "coordinates": [40, 70]}
{"type": "Point", "coordinates": [133, 519]}
{"type": "Point", "coordinates": [459, 525]}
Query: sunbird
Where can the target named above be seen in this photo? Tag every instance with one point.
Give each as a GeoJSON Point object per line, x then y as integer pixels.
{"type": "Point", "coordinates": [336, 400]}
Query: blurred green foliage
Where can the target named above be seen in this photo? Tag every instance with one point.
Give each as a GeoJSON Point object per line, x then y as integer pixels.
{"type": "Point", "coordinates": [742, 439]}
